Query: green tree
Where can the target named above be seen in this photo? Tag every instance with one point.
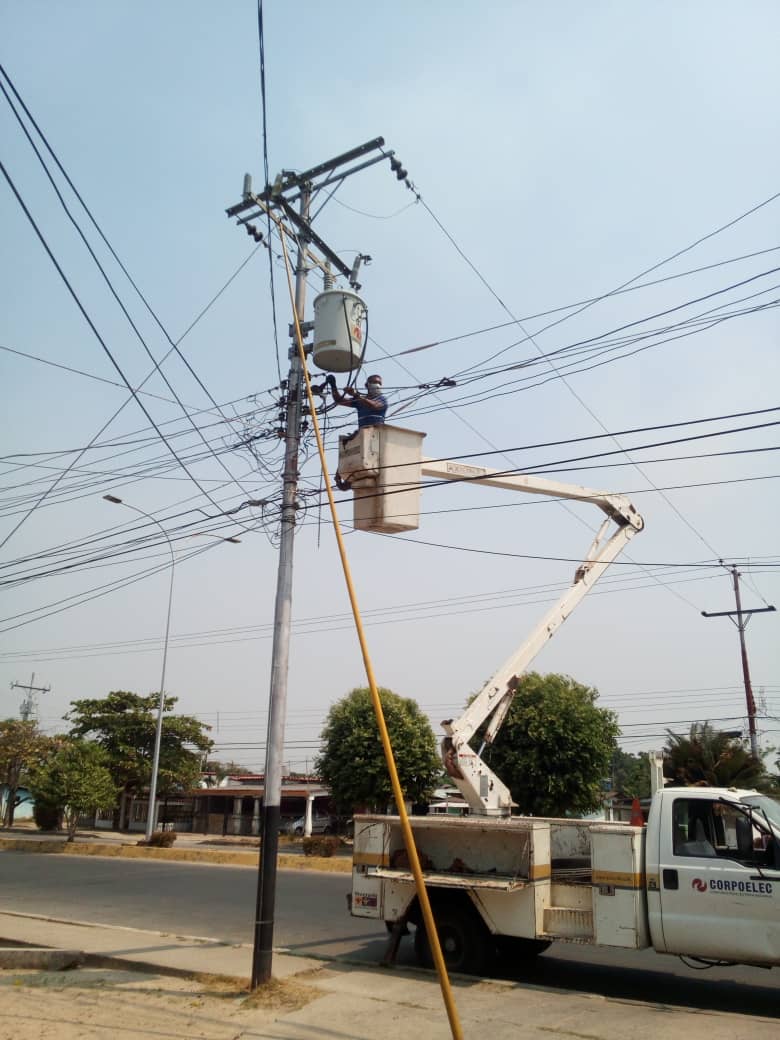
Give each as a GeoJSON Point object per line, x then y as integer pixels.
{"type": "Point", "coordinates": [123, 724]}
{"type": "Point", "coordinates": [352, 761]}
{"type": "Point", "coordinates": [630, 774]}
{"type": "Point", "coordinates": [712, 757]}
{"type": "Point", "coordinates": [22, 747]}
{"type": "Point", "coordinates": [216, 771]}
{"type": "Point", "coordinates": [74, 780]}
{"type": "Point", "coordinates": [555, 746]}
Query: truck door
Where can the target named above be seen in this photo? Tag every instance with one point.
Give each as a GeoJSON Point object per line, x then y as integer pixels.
{"type": "Point", "coordinates": [720, 893]}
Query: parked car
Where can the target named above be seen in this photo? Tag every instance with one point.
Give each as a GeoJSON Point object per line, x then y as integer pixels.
{"type": "Point", "coordinates": [319, 825]}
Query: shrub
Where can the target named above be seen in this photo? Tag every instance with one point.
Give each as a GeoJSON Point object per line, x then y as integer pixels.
{"type": "Point", "coordinates": [320, 845]}
{"type": "Point", "coordinates": [47, 817]}
{"type": "Point", "coordinates": [160, 840]}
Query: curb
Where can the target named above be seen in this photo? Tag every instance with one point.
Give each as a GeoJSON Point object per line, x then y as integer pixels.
{"type": "Point", "coordinates": [284, 861]}
{"type": "Point", "coordinates": [40, 958]}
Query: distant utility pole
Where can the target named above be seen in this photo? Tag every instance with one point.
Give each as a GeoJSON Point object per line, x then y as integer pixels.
{"type": "Point", "coordinates": [290, 188]}
{"type": "Point", "coordinates": [741, 624]}
{"type": "Point", "coordinates": [28, 708]}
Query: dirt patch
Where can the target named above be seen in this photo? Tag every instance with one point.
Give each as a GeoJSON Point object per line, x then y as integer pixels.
{"type": "Point", "coordinates": [99, 1003]}
{"type": "Point", "coordinates": [282, 994]}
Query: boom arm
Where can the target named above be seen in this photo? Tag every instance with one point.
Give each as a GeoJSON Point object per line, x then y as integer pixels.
{"type": "Point", "coordinates": [480, 787]}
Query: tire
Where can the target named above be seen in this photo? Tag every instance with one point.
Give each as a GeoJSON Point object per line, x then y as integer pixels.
{"type": "Point", "coordinates": [327, 830]}
{"type": "Point", "coordinates": [465, 941]}
{"type": "Point", "coordinates": [298, 832]}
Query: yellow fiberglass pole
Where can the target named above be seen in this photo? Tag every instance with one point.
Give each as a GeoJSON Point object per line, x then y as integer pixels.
{"type": "Point", "coordinates": [406, 828]}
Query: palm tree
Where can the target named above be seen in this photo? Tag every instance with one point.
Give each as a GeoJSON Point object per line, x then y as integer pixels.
{"type": "Point", "coordinates": [711, 757]}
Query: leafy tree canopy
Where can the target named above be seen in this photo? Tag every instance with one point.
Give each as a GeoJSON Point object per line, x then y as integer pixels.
{"type": "Point", "coordinates": [216, 771]}
{"type": "Point", "coordinates": [123, 724]}
{"type": "Point", "coordinates": [75, 780]}
{"type": "Point", "coordinates": [711, 757]}
{"type": "Point", "coordinates": [352, 761]}
{"type": "Point", "coordinates": [630, 774]}
{"type": "Point", "coordinates": [555, 746]}
{"type": "Point", "coordinates": [22, 747]}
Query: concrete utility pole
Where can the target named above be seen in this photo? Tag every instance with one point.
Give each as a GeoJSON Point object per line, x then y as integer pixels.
{"type": "Point", "coordinates": [288, 188]}
{"type": "Point", "coordinates": [741, 624]}
{"type": "Point", "coordinates": [27, 708]}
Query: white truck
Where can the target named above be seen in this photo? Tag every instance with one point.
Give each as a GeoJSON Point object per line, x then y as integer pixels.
{"type": "Point", "coordinates": [701, 879]}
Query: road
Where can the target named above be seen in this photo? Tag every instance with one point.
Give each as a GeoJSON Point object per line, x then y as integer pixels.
{"type": "Point", "coordinates": [218, 901]}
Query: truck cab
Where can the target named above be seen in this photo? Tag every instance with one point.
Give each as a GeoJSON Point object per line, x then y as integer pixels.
{"type": "Point", "coordinates": [712, 862]}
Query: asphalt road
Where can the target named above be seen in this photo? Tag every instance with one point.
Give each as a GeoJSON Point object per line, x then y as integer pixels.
{"type": "Point", "coordinates": [312, 919]}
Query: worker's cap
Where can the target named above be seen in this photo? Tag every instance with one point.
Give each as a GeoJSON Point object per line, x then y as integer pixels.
{"type": "Point", "coordinates": [374, 379]}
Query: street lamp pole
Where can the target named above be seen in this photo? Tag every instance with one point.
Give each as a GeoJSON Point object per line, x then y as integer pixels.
{"type": "Point", "coordinates": [151, 813]}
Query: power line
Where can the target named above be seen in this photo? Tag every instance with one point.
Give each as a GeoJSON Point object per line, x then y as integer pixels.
{"type": "Point", "coordinates": [105, 276]}
{"type": "Point", "coordinates": [622, 286]}
{"type": "Point", "coordinates": [569, 306]}
{"type": "Point", "coordinates": [266, 174]}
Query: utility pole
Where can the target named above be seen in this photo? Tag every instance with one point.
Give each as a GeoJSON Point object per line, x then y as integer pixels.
{"type": "Point", "coordinates": [289, 188]}
{"type": "Point", "coordinates": [741, 624]}
{"type": "Point", "coordinates": [27, 708]}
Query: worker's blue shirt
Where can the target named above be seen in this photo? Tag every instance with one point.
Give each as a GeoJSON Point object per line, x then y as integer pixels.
{"type": "Point", "coordinates": [368, 416]}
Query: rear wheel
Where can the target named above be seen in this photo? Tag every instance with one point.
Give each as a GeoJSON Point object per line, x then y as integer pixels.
{"type": "Point", "coordinates": [465, 941]}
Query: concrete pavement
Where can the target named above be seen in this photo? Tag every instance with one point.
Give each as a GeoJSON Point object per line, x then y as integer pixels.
{"type": "Point", "coordinates": [177, 976]}
{"type": "Point", "coordinates": [141, 983]}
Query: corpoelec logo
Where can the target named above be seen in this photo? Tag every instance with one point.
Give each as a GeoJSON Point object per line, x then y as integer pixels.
{"type": "Point", "coordinates": [728, 887]}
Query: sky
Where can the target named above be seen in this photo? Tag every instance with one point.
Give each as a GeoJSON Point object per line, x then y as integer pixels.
{"type": "Point", "coordinates": [587, 245]}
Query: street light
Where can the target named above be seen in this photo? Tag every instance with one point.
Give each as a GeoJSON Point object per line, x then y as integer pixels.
{"type": "Point", "coordinates": [150, 813]}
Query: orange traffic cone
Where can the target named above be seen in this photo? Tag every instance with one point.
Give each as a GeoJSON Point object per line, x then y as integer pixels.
{"type": "Point", "coordinates": [637, 819]}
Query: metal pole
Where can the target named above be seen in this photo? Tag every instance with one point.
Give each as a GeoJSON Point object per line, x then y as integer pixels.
{"type": "Point", "coordinates": [150, 813]}
{"type": "Point", "coordinates": [262, 954]}
{"type": "Point", "coordinates": [751, 704]}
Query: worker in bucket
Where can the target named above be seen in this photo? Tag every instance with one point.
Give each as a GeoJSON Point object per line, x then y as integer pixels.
{"type": "Point", "coordinates": [370, 409]}
{"type": "Point", "coordinates": [371, 406]}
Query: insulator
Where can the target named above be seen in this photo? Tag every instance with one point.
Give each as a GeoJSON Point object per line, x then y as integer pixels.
{"type": "Point", "coordinates": [398, 170]}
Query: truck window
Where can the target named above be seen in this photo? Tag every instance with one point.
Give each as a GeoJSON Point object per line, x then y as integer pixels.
{"type": "Point", "coordinates": [713, 828]}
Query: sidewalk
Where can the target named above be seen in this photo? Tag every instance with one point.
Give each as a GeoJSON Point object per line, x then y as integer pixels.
{"type": "Point", "coordinates": [189, 986]}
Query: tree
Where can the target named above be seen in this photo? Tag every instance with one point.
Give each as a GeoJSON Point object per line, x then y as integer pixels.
{"type": "Point", "coordinates": [74, 780]}
{"type": "Point", "coordinates": [214, 771]}
{"type": "Point", "coordinates": [555, 746]}
{"type": "Point", "coordinates": [630, 774]}
{"type": "Point", "coordinates": [352, 761]}
{"type": "Point", "coordinates": [124, 723]}
{"type": "Point", "coordinates": [22, 746]}
{"type": "Point", "coordinates": [712, 757]}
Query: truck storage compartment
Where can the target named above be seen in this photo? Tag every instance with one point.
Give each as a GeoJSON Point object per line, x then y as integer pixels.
{"type": "Point", "coordinates": [619, 899]}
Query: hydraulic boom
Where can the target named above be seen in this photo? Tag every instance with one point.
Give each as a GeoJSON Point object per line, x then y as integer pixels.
{"type": "Point", "coordinates": [480, 787]}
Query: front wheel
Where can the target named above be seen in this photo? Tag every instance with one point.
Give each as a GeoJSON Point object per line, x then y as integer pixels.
{"type": "Point", "coordinates": [465, 941]}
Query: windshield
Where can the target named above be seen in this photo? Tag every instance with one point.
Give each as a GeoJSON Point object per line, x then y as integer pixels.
{"type": "Point", "coordinates": [769, 807]}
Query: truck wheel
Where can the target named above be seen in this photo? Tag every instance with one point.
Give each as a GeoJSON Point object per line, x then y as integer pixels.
{"type": "Point", "coordinates": [465, 941]}
{"type": "Point", "coordinates": [520, 951]}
